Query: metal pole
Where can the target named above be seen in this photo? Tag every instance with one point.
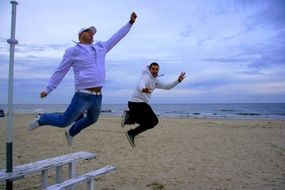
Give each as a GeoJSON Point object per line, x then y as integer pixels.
{"type": "Point", "coordinates": [9, 143]}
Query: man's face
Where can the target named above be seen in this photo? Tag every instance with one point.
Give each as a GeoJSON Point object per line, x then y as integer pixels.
{"type": "Point", "coordinates": [154, 69]}
{"type": "Point", "coordinates": [86, 36]}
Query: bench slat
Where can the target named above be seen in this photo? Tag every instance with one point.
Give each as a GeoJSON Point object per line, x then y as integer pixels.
{"type": "Point", "coordinates": [29, 168]}
{"type": "Point", "coordinates": [78, 179]}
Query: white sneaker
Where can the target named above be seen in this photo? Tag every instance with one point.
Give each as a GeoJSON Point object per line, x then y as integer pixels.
{"type": "Point", "coordinates": [35, 124]}
{"type": "Point", "coordinates": [38, 112]}
{"type": "Point", "coordinates": [69, 138]}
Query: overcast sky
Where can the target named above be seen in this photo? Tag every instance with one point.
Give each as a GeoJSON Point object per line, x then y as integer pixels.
{"type": "Point", "coordinates": [231, 50]}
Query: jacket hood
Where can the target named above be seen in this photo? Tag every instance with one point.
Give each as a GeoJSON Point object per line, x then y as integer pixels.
{"type": "Point", "coordinates": [147, 72]}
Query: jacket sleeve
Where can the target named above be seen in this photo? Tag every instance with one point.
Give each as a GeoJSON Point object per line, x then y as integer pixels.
{"type": "Point", "coordinates": [166, 86]}
{"type": "Point", "coordinates": [142, 83]}
{"type": "Point", "coordinates": [109, 44]}
{"type": "Point", "coordinates": [61, 71]}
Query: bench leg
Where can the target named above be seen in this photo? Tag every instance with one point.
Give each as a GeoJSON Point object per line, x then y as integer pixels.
{"type": "Point", "coordinates": [91, 185]}
{"type": "Point", "coordinates": [71, 171]}
{"type": "Point", "coordinates": [59, 174]}
{"type": "Point", "coordinates": [44, 179]}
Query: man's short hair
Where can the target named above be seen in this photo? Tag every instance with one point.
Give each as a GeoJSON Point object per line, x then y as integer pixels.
{"type": "Point", "coordinates": [153, 64]}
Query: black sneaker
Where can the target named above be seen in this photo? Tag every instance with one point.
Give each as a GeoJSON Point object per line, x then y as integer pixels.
{"type": "Point", "coordinates": [126, 119]}
{"type": "Point", "coordinates": [131, 139]}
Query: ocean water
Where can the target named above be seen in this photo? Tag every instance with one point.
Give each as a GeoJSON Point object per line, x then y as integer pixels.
{"type": "Point", "coordinates": [230, 111]}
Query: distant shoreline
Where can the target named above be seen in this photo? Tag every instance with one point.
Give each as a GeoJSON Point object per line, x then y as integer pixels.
{"type": "Point", "coordinates": [111, 117]}
{"type": "Point", "coordinates": [222, 111]}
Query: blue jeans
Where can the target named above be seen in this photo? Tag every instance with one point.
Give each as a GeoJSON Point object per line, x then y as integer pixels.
{"type": "Point", "coordinates": [80, 103]}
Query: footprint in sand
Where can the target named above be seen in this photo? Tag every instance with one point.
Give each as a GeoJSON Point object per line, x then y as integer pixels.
{"type": "Point", "coordinates": [156, 186]}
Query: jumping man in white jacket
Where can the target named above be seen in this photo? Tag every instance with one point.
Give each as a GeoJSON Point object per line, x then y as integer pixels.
{"type": "Point", "coordinates": [140, 111]}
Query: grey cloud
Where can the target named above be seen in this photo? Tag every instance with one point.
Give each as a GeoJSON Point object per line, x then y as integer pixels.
{"type": "Point", "coordinates": [274, 14]}
{"type": "Point", "coordinates": [4, 46]}
{"type": "Point", "coordinates": [187, 32]}
{"type": "Point", "coordinates": [4, 59]}
{"type": "Point", "coordinates": [26, 67]}
{"type": "Point", "coordinates": [208, 84]}
{"type": "Point", "coordinates": [270, 54]}
{"type": "Point", "coordinates": [225, 59]}
{"type": "Point", "coordinates": [23, 47]}
{"type": "Point", "coordinates": [28, 90]}
{"type": "Point", "coordinates": [271, 13]}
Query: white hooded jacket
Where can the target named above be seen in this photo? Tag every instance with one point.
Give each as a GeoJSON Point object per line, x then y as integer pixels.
{"type": "Point", "coordinates": [88, 67]}
{"type": "Point", "coordinates": [148, 81]}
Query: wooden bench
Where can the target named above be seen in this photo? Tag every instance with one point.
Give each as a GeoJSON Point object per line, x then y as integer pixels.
{"type": "Point", "coordinates": [43, 166]}
{"type": "Point", "coordinates": [88, 177]}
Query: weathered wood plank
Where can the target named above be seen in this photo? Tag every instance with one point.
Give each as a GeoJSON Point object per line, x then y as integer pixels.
{"type": "Point", "coordinates": [25, 169]}
{"type": "Point", "coordinates": [88, 177]}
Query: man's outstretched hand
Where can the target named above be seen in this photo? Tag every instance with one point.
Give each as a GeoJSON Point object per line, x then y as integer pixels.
{"type": "Point", "coordinates": [43, 94]}
{"type": "Point", "coordinates": [133, 18]}
{"type": "Point", "coordinates": [181, 77]}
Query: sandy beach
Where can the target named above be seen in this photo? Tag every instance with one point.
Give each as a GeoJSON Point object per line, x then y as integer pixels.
{"type": "Point", "coordinates": [177, 154]}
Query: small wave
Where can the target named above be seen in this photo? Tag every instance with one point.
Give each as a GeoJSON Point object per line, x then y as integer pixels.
{"type": "Point", "coordinates": [227, 110]}
{"type": "Point", "coordinates": [106, 111]}
{"type": "Point", "coordinates": [250, 114]}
